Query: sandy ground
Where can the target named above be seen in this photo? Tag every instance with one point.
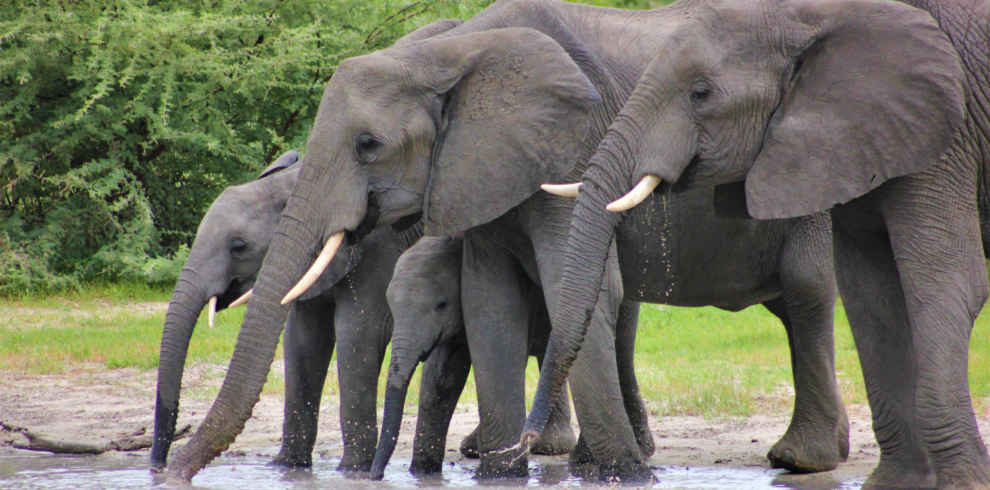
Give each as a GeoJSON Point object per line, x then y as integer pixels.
{"type": "Point", "coordinates": [91, 404]}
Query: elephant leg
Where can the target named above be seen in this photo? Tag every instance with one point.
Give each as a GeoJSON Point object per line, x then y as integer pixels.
{"type": "Point", "coordinates": [558, 436]}
{"type": "Point", "coordinates": [625, 343]}
{"type": "Point", "coordinates": [874, 302]}
{"type": "Point", "coordinates": [817, 438]}
{"type": "Point", "coordinates": [594, 381]}
{"type": "Point", "coordinates": [935, 236]}
{"type": "Point", "coordinates": [308, 345]}
{"type": "Point", "coordinates": [361, 346]}
{"type": "Point", "coordinates": [496, 316]}
{"type": "Point", "coordinates": [444, 374]}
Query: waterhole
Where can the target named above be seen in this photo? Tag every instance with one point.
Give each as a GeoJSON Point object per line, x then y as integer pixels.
{"type": "Point", "coordinates": [24, 470]}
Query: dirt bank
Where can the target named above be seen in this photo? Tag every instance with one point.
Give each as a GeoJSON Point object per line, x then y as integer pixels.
{"type": "Point", "coordinates": [91, 404]}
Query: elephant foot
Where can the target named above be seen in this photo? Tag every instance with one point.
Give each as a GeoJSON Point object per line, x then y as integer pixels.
{"type": "Point", "coordinates": [469, 446]}
{"type": "Point", "coordinates": [619, 471]}
{"type": "Point", "coordinates": [292, 461]}
{"type": "Point", "coordinates": [510, 462]}
{"type": "Point", "coordinates": [809, 451]}
{"type": "Point", "coordinates": [886, 476]}
{"type": "Point", "coordinates": [580, 455]}
{"type": "Point", "coordinates": [583, 464]}
{"type": "Point", "coordinates": [964, 476]}
{"type": "Point", "coordinates": [354, 468]}
{"type": "Point", "coordinates": [557, 438]}
{"type": "Point", "coordinates": [426, 463]}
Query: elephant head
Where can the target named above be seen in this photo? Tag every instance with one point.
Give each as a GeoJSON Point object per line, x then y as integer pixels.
{"type": "Point", "coordinates": [810, 103]}
{"type": "Point", "coordinates": [455, 129]}
{"type": "Point", "coordinates": [231, 242]}
{"type": "Point", "coordinates": [425, 299]}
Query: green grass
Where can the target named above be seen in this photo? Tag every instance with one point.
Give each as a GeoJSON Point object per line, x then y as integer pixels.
{"type": "Point", "coordinates": [689, 360]}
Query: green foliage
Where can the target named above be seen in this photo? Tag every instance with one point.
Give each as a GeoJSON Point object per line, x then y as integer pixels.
{"type": "Point", "coordinates": [122, 120]}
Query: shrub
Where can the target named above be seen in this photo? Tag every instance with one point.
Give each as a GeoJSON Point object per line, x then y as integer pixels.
{"type": "Point", "coordinates": [122, 120]}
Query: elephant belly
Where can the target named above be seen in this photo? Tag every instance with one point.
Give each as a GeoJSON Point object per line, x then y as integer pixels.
{"type": "Point", "coordinates": [672, 250]}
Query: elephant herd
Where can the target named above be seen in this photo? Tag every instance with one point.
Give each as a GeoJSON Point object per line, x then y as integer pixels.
{"type": "Point", "coordinates": [855, 132]}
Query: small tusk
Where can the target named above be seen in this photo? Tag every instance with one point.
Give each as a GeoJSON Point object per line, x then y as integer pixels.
{"type": "Point", "coordinates": [242, 300]}
{"type": "Point", "coordinates": [642, 190]}
{"type": "Point", "coordinates": [562, 190]}
{"type": "Point", "coordinates": [318, 267]}
{"type": "Point", "coordinates": [211, 314]}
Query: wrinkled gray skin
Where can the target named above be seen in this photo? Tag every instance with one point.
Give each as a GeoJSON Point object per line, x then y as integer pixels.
{"type": "Point", "coordinates": [347, 304]}
{"type": "Point", "coordinates": [464, 128]}
{"type": "Point", "coordinates": [858, 106]}
{"type": "Point", "coordinates": [355, 315]}
{"type": "Point", "coordinates": [425, 299]}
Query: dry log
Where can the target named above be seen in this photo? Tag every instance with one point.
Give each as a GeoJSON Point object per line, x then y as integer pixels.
{"type": "Point", "coordinates": [133, 442]}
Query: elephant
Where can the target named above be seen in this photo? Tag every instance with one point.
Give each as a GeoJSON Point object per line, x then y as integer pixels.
{"type": "Point", "coordinates": [460, 130]}
{"type": "Point", "coordinates": [425, 299]}
{"type": "Point", "coordinates": [346, 305]}
{"type": "Point", "coordinates": [872, 110]}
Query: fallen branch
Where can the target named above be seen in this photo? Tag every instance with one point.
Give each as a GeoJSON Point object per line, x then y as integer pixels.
{"type": "Point", "coordinates": [133, 442]}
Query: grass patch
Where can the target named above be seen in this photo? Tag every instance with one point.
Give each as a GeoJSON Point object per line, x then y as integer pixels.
{"type": "Point", "coordinates": [690, 361]}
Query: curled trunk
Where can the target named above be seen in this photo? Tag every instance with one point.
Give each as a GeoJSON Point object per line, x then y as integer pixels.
{"type": "Point", "coordinates": [591, 232]}
{"type": "Point", "coordinates": [402, 367]}
{"type": "Point", "coordinates": [187, 302]}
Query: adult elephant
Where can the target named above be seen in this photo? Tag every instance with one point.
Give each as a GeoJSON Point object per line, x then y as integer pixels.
{"type": "Point", "coordinates": [231, 244]}
{"type": "Point", "coordinates": [347, 306]}
{"type": "Point", "coordinates": [855, 105]}
{"type": "Point", "coordinates": [462, 129]}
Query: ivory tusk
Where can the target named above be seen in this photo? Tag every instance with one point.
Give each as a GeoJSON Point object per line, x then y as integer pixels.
{"type": "Point", "coordinates": [318, 267]}
{"type": "Point", "coordinates": [563, 190]}
{"type": "Point", "coordinates": [642, 190]}
{"type": "Point", "coordinates": [211, 314]}
{"type": "Point", "coordinates": [242, 300]}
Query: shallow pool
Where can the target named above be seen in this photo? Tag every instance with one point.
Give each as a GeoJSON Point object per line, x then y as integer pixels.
{"type": "Point", "coordinates": [32, 470]}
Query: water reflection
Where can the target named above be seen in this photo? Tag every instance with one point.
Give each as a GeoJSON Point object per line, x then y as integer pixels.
{"type": "Point", "coordinates": [28, 470]}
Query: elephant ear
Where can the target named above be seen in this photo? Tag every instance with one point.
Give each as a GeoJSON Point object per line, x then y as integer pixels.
{"type": "Point", "coordinates": [514, 116]}
{"type": "Point", "coordinates": [281, 163]}
{"type": "Point", "coordinates": [876, 94]}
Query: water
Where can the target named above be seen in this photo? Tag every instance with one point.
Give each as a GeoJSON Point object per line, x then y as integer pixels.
{"type": "Point", "coordinates": [24, 470]}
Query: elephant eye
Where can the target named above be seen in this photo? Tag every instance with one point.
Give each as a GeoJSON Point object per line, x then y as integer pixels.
{"type": "Point", "coordinates": [700, 94]}
{"type": "Point", "coordinates": [367, 144]}
{"type": "Point", "coordinates": [238, 247]}
{"type": "Point", "coordinates": [441, 306]}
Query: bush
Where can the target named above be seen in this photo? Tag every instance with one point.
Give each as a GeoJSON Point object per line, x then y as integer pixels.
{"type": "Point", "coordinates": [121, 121]}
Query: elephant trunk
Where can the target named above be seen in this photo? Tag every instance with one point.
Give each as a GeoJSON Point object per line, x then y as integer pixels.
{"type": "Point", "coordinates": [401, 369]}
{"type": "Point", "coordinates": [288, 257]}
{"type": "Point", "coordinates": [187, 302]}
{"type": "Point", "coordinates": [591, 232]}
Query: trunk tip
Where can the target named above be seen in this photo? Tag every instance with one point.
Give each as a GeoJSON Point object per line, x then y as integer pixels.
{"type": "Point", "coordinates": [528, 435]}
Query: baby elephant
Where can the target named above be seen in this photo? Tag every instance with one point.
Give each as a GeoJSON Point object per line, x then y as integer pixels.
{"type": "Point", "coordinates": [425, 299]}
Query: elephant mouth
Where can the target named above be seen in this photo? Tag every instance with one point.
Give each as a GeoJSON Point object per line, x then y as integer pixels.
{"type": "Point", "coordinates": [236, 288]}
{"type": "Point", "coordinates": [369, 222]}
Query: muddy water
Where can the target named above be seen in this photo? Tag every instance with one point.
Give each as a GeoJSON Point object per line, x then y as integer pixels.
{"type": "Point", "coordinates": [27, 470]}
